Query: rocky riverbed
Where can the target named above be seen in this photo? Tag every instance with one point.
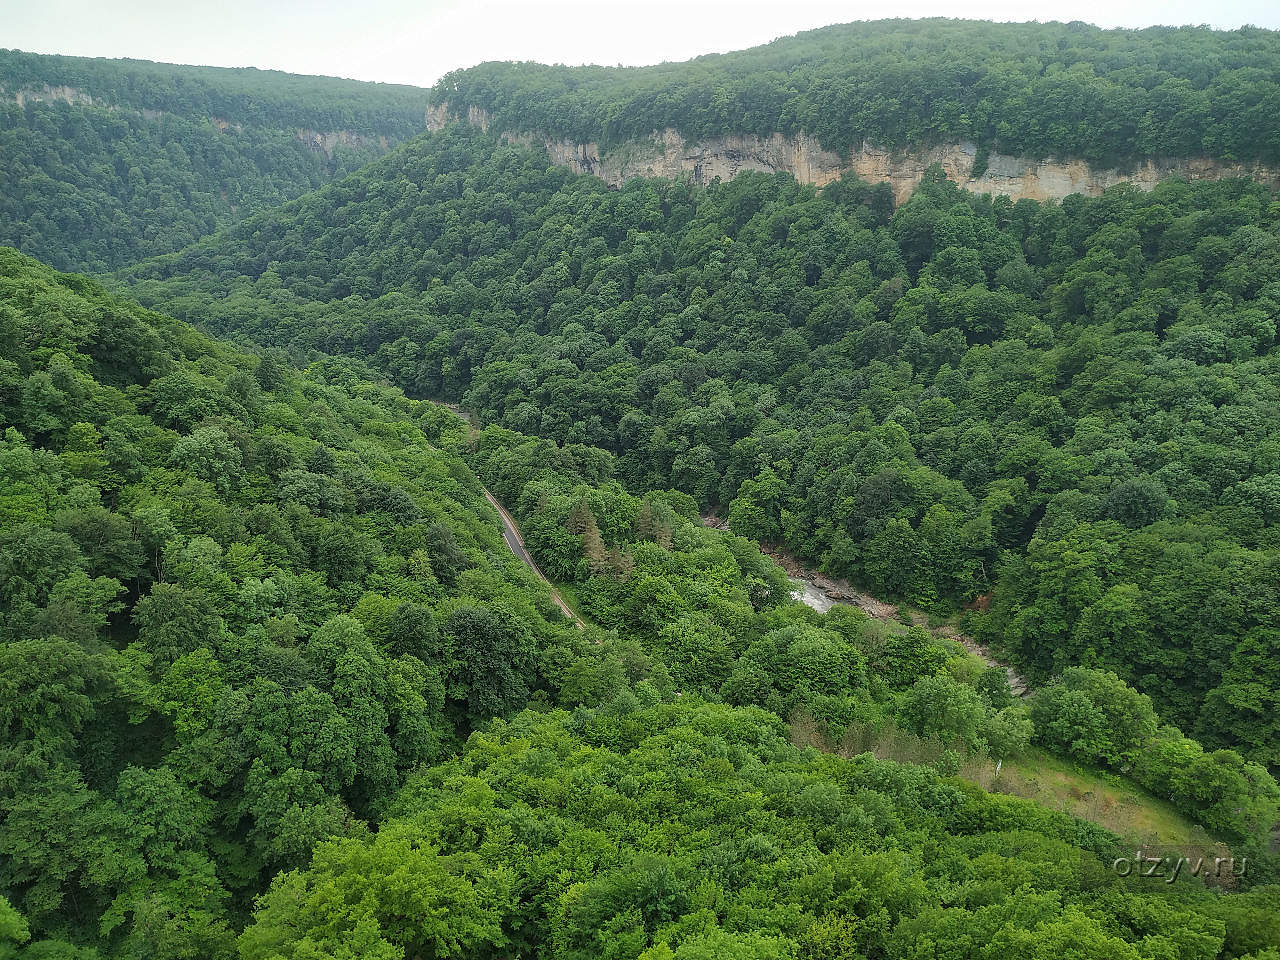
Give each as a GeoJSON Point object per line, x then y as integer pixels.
{"type": "Point", "coordinates": [820, 592]}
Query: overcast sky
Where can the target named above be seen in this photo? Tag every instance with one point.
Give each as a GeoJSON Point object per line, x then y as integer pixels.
{"type": "Point", "coordinates": [415, 41]}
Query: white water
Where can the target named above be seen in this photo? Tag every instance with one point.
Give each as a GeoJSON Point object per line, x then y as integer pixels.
{"type": "Point", "coordinates": [815, 598]}
{"type": "Point", "coordinates": [811, 596]}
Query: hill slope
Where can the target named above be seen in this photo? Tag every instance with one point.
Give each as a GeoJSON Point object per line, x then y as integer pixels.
{"type": "Point", "coordinates": [237, 605]}
{"type": "Point", "coordinates": [247, 614]}
{"type": "Point", "coordinates": [111, 161]}
{"type": "Point", "coordinates": [651, 832]}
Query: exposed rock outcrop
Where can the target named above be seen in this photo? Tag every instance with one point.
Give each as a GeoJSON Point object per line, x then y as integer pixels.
{"type": "Point", "coordinates": [48, 94]}
{"type": "Point", "coordinates": [668, 154]}
{"type": "Point", "coordinates": [326, 141]}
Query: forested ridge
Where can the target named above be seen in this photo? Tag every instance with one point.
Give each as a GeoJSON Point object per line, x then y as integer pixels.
{"type": "Point", "coordinates": [265, 98]}
{"type": "Point", "coordinates": [165, 154]}
{"type": "Point", "coordinates": [1111, 97]}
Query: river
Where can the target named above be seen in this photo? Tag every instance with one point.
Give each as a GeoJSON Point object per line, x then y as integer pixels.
{"type": "Point", "coordinates": [807, 593]}
{"type": "Point", "coordinates": [821, 593]}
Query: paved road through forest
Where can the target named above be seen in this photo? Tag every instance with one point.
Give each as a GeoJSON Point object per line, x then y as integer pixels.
{"type": "Point", "coordinates": [511, 533]}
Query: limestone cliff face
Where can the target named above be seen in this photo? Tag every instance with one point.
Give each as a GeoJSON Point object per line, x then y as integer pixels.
{"type": "Point", "coordinates": [326, 141]}
{"type": "Point", "coordinates": [48, 94]}
{"type": "Point", "coordinates": [668, 154]}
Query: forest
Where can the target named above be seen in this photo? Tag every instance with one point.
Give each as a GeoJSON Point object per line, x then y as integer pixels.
{"type": "Point", "coordinates": [273, 686]}
{"type": "Point", "coordinates": [259, 623]}
{"type": "Point", "coordinates": [164, 155]}
{"type": "Point", "coordinates": [1112, 97]}
{"type": "Point", "coordinates": [1070, 408]}
{"type": "Point", "coordinates": [263, 98]}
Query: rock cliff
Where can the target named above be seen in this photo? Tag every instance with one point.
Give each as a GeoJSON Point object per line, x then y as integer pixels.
{"type": "Point", "coordinates": [48, 94]}
{"type": "Point", "coordinates": [669, 154]}
{"type": "Point", "coordinates": [326, 141]}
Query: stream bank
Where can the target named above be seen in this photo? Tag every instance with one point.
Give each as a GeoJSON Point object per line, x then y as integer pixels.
{"type": "Point", "coordinates": [820, 592]}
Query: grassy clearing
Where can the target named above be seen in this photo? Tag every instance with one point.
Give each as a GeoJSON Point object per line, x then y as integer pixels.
{"type": "Point", "coordinates": [1098, 796]}
{"type": "Point", "coordinates": [1119, 805]}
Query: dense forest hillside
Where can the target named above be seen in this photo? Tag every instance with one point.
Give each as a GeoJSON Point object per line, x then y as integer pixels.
{"type": "Point", "coordinates": [652, 832]}
{"type": "Point", "coordinates": [1073, 406]}
{"type": "Point", "coordinates": [250, 615]}
{"type": "Point", "coordinates": [1068, 90]}
{"type": "Point", "coordinates": [237, 606]}
{"type": "Point", "coordinates": [110, 161]}
{"type": "Point", "coordinates": [263, 98]}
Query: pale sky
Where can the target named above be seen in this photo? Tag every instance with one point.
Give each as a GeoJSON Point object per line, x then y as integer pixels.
{"type": "Point", "coordinates": [415, 41]}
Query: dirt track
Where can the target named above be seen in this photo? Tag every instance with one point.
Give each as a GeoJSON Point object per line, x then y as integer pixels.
{"type": "Point", "coordinates": [511, 531]}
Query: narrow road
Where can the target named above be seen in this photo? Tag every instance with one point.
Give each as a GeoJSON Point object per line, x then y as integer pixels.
{"type": "Point", "coordinates": [511, 533]}
{"type": "Point", "coordinates": [511, 530]}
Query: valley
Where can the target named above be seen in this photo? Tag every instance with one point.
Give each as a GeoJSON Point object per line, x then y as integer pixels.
{"type": "Point", "coordinates": [814, 502]}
